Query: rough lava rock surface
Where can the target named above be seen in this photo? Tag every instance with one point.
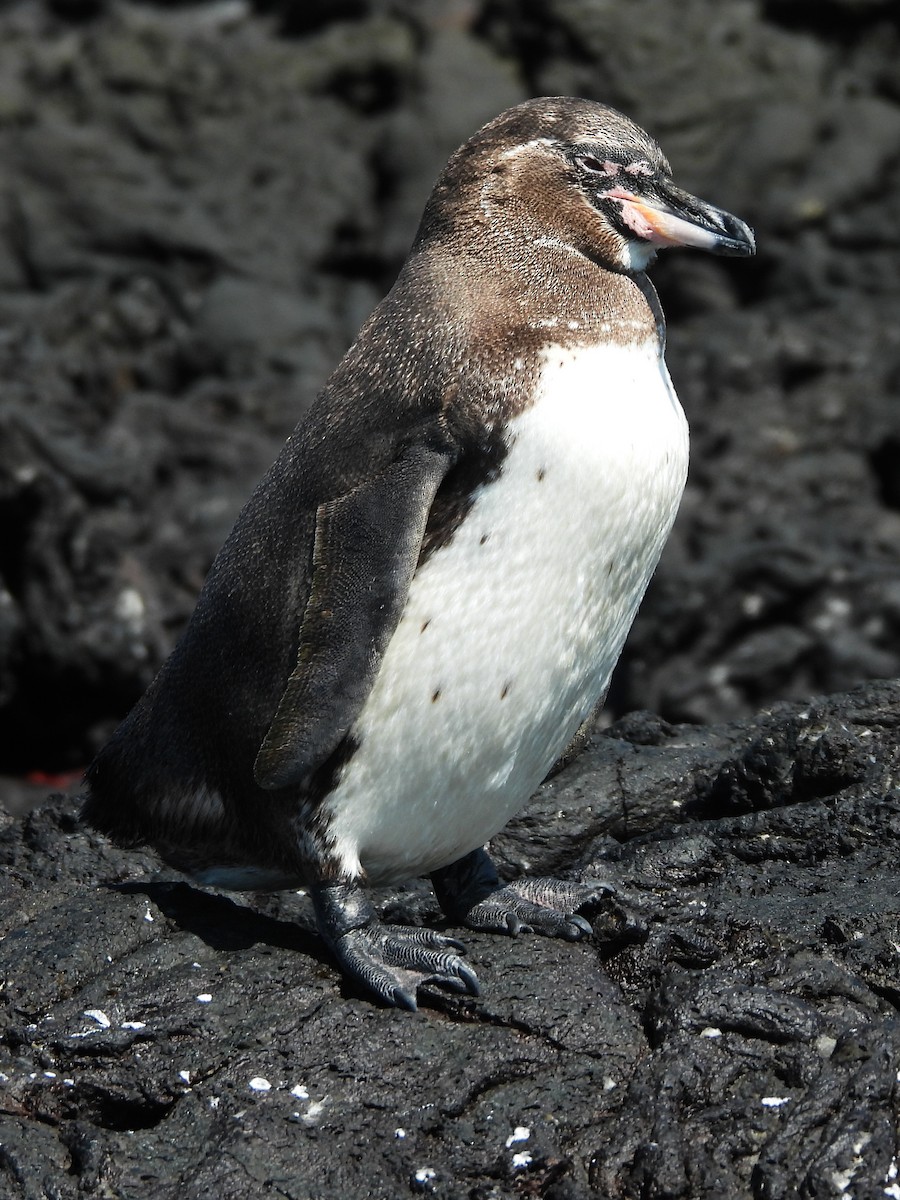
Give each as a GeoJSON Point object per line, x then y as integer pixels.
{"type": "Point", "coordinates": [730, 1031]}
{"type": "Point", "coordinates": [199, 204]}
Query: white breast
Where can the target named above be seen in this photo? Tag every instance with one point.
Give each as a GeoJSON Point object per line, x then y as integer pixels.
{"type": "Point", "coordinates": [512, 630]}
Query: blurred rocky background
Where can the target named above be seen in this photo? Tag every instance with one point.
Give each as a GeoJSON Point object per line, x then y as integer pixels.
{"type": "Point", "coordinates": [199, 204]}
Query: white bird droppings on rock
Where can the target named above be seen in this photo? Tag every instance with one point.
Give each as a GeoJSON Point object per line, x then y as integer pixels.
{"type": "Point", "coordinates": [825, 1045]}
{"type": "Point", "coordinates": [520, 1134]}
{"type": "Point", "coordinates": [843, 1179]}
{"type": "Point", "coordinates": [129, 607]}
{"type": "Point", "coordinates": [258, 1084]}
{"type": "Point", "coordinates": [98, 1015]}
{"type": "Point", "coordinates": [314, 1111]}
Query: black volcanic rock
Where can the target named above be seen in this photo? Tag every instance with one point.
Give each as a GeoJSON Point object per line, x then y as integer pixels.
{"type": "Point", "coordinates": [730, 1031]}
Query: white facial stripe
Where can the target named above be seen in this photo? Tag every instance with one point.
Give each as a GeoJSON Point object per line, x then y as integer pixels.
{"type": "Point", "coordinates": [514, 151]}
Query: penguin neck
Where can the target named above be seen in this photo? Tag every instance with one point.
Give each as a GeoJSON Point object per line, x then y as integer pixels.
{"type": "Point", "coordinates": [496, 318]}
{"type": "Point", "coordinates": [604, 303]}
{"type": "Point", "coordinates": [550, 287]}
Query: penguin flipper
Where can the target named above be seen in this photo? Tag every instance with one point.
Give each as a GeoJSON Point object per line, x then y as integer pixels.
{"type": "Point", "coordinates": [366, 548]}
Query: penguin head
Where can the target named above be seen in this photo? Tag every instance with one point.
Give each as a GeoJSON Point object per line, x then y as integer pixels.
{"type": "Point", "coordinates": [570, 172]}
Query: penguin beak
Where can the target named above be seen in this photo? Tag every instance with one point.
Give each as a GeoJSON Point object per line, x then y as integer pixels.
{"type": "Point", "coordinates": [676, 218]}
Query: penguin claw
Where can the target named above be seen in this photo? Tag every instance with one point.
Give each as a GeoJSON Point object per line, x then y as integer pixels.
{"type": "Point", "coordinates": [463, 981]}
{"type": "Point", "coordinates": [466, 980]}
{"type": "Point", "coordinates": [401, 998]}
{"type": "Point", "coordinates": [515, 925]}
{"type": "Point", "coordinates": [580, 923]}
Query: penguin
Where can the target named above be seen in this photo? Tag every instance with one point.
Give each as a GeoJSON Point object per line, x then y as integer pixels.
{"type": "Point", "coordinates": [422, 603]}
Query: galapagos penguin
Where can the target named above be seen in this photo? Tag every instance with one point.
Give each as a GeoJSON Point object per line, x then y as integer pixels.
{"type": "Point", "coordinates": [423, 600]}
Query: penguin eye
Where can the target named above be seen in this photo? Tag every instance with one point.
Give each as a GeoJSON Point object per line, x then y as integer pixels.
{"type": "Point", "coordinates": [594, 166]}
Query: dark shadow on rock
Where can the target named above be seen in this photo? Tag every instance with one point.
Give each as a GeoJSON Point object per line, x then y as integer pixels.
{"type": "Point", "coordinates": [222, 923]}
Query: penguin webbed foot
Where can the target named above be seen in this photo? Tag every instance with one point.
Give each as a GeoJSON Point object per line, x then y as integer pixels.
{"type": "Point", "coordinates": [541, 905]}
{"type": "Point", "coordinates": [470, 891]}
{"type": "Point", "coordinates": [391, 961]}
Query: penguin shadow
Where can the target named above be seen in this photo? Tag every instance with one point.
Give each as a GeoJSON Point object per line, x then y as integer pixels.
{"type": "Point", "coordinates": [224, 924]}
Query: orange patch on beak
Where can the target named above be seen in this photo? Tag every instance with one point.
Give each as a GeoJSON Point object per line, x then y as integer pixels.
{"type": "Point", "coordinates": [661, 227]}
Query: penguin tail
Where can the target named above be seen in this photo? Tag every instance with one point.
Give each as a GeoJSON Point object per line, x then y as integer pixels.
{"type": "Point", "coordinates": [109, 811]}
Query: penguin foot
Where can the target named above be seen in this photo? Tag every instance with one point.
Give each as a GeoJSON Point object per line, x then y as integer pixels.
{"type": "Point", "coordinates": [391, 961]}
{"type": "Point", "coordinates": [470, 891]}
{"type": "Point", "coordinates": [511, 910]}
